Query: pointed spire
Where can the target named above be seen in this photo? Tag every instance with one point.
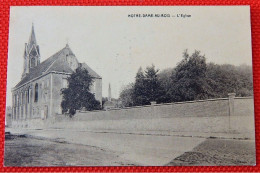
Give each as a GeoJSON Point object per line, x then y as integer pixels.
{"type": "Point", "coordinates": [109, 93]}
{"type": "Point", "coordinates": [31, 53]}
{"type": "Point", "coordinates": [32, 39]}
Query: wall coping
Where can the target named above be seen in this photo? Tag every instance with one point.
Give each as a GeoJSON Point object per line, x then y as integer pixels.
{"type": "Point", "coordinates": [162, 104]}
{"type": "Point", "coordinates": [249, 97]}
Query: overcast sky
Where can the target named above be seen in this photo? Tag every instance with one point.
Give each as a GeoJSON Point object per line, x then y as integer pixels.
{"type": "Point", "coordinates": [115, 45]}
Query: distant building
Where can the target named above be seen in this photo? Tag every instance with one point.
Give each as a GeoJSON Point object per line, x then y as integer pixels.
{"type": "Point", "coordinates": [109, 92]}
{"type": "Point", "coordinates": [109, 104]}
{"type": "Point", "coordinates": [8, 116]}
{"type": "Point", "coordinates": [38, 94]}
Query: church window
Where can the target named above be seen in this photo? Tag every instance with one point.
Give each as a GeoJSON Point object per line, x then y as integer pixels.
{"type": "Point", "coordinates": [67, 59]}
{"type": "Point", "coordinates": [36, 93]}
{"type": "Point", "coordinates": [21, 99]}
{"type": "Point", "coordinates": [15, 101]}
{"type": "Point", "coordinates": [31, 95]}
{"type": "Point", "coordinates": [24, 97]}
{"type": "Point", "coordinates": [28, 96]}
{"type": "Point", "coordinates": [33, 62]}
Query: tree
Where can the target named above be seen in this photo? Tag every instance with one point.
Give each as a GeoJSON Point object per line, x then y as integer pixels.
{"type": "Point", "coordinates": [154, 89]}
{"type": "Point", "coordinates": [126, 95]}
{"type": "Point", "coordinates": [139, 91]}
{"type": "Point", "coordinates": [165, 78]}
{"type": "Point", "coordinates": [78, 95]}
{"type": "Point", "coordinates": [147, 87]}
{"type": "Point", "coordinates": [190, 80]}
{"type": "Point", "coordinates": [229, 78]}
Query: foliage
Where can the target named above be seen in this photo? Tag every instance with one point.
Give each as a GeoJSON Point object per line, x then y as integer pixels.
{"type": "Point", "coordinates": [191, 79]}
{"type": "Point", "coordinates": [154, 89]}
{"type": "Point", "coordinates": [147, 87]}
{"type": "Point", "coordinates": [126, 95]}
{"type": "Point", "coordinates": [229, 78]}
{"type": "Point", "coordinates": [78, 95]}
{"type": "Point", "coordinates": [166, 79]}
{"type": "Point", "coordinates": [139, 90]}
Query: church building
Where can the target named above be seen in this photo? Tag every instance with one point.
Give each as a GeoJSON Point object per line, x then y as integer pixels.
{"type": "Point", "coordinates": [38, 94]}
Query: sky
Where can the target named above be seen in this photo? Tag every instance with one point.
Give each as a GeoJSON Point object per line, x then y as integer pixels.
{"type": "Point", "coordinates": [116, 45]}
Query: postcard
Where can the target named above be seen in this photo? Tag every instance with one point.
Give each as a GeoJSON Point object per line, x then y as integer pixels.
{"type": "Point", "coordinates": [129, 86]}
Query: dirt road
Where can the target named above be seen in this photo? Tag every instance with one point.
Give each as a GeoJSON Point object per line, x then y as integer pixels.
{"type": "Point", "coordinates": [146, 150]}
{"type": "Point", "coordinates": [77, 148]}
{"type": "Point", "coordinates": [24, 151]}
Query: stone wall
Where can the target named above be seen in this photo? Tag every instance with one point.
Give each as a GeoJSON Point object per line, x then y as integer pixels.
{"type": "Point", "coordinates": [201, 118]}
{"type": "Point", "coordinates": [225, 117]}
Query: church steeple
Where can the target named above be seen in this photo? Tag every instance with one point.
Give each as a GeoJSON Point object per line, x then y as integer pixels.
{"type": "Point", "coordinates": [32, 39]}
{"type": "Point", "coordinates": [109, 93]}
{"type": "Point", "coordinates": [31, 54]}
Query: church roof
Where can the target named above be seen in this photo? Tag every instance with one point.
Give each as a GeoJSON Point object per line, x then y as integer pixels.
{"type": "Point", "coordinates": [52, 64]}
{"type": "Point", "coordinates": [91, 72]}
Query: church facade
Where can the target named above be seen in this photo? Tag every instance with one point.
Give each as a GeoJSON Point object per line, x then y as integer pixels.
{"type": "Point", "coordinates": [38, 94]}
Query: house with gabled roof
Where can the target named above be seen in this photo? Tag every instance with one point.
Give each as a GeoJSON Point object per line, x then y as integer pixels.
{"type": "Point", "coordinates": [38, 94]}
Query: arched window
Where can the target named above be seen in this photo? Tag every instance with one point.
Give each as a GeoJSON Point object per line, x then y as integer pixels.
{"type": "Point", "coordinates": [36, 93]}
{"type": "Point", "coordinates": [24, 97]}
{"type": "Point", "coordinates": [15, 101]}
{"type": "Point", "coordinates": [33, 62]}
{"type": "Point", "coordinates": [28, 96]}
{"type": "Point", "coordinates": [21, 99]}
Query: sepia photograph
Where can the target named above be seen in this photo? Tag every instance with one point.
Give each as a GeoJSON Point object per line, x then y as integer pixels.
{"type": "Point", "coordinates": [129, 86]}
